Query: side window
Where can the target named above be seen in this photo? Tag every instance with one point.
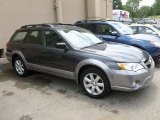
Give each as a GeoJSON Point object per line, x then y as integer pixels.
{"type": "Point", "coordinates": [19, 36]}
{"type": "Point", "coordinates": [34, 38]}
{"type": "Point", "coordinates": [80, 25]}
{"type": "Point", "coordinates": [90, 27]}
{"type": "Point", "coordinates": [51, 38]}
{"type": "Point", "coordinates": [149, 31]}
{"type": "Point", "coordinates": [145, 30]}
{"type": "Point", "coordinates": [134, 29]}
{"type": "Point", "coordinates": [142, 30]}
{"type": "Point", "coordinates": [105, 29]}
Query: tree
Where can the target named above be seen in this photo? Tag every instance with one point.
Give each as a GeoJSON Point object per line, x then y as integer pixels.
{"type": "Point", "coordinates": [132, 6]}
{"type": "Point", "coordinates": [117, 4]}
{"type": "Point", "coordinates": [156, 8]}
{"type": "Point", "coordinates": [144, 11]}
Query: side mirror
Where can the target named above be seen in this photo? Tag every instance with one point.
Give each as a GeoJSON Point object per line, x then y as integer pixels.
{"type": "Point", "coordinates": [61, 45]}
{"type": "Point", "coordinates": [154, 33]}
{"type": "Point", "coordinates": [114, 33]}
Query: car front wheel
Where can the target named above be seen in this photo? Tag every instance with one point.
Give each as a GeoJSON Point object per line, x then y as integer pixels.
{"type": "Point", "coordinates": [95, 83]}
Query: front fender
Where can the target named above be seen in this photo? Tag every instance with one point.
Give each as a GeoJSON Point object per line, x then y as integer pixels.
{"type": "Point", "coordinates": [93, 62]}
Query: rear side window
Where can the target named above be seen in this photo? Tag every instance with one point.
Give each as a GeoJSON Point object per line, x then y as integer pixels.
{"type": "Point", "coordinates": [19, 36]}
{"type": "Point", "coordinates": [34, 38]}
{"type": "Point", "coordinates": [134, 29]}
{"type": "Point", "coordinates": [145, 30]}
{"type": "Point", "coordinates": [90, 27]}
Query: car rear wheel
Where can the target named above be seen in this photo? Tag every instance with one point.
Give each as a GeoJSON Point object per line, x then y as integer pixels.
{"type": "Point", "coordinates": [95, 83]}
{"type": "Point", "coordinates": [20, 67]}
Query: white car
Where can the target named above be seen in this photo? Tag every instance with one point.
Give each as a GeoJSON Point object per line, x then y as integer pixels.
{"type": "Point", "coordinates": [145, 29]}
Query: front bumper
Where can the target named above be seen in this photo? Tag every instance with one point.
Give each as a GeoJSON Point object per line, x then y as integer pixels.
{"type": "Point", "coordinates": [129, 80]}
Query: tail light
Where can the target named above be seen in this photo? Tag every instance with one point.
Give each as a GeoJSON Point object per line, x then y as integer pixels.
{"type": "Point", "coordinates": [8, 43]}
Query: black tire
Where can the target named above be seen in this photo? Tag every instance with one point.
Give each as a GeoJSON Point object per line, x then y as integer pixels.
{"type": "Point", "coordinates": [24, 71]}
{"type": "Point", "coordinates": [105, 90]}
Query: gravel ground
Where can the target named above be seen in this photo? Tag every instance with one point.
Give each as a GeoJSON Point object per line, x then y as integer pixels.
{"type": "Point", "coordinates": [45, 97]}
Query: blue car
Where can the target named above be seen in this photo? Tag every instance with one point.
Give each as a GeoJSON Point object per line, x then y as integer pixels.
{"type": "Point", "coordinates": [113, 31]}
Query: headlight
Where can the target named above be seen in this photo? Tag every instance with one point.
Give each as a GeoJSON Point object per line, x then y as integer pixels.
{"type": "Point", "coordinates": [156, 43]}
{"type": "Point", "coordinates": [130, 66]}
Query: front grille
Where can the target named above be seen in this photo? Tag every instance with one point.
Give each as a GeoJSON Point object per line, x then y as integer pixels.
{"type": "Point", "coordinates": [147, 61]}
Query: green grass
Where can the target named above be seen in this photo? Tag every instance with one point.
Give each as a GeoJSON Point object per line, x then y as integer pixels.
{"type": "Point", "coordinates": [155, 17]}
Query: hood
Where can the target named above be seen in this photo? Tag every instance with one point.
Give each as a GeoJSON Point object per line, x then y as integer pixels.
{"type": "Point", "coordinates": [118, 52]}
{"type": "Point", "coordinates": [143, 37]}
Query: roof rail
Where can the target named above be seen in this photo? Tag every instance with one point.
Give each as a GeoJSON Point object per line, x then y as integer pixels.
{"type": "Point", "coordinates": [101, 20]}
{"type": "Point", "coordinates": [37, 25]}
{"type": "Point", "coordinates": [44, 25]}
{"type": "Point", "coordinates": [61, 24]}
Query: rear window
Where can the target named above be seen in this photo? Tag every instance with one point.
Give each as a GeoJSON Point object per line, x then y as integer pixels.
{"type": "Point", "coordinates": [19, 36]}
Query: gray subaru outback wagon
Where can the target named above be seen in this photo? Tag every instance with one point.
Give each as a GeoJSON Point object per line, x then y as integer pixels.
{"type": "Point", "coordinates": [75, 53]}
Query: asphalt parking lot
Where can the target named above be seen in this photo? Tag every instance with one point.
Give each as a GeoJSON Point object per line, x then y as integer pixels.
{"type": "Point", "coordinates": [45, 97]}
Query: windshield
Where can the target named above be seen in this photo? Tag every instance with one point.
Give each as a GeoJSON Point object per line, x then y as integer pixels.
{"type": "Point", "coordinates": [156, 28]}
{"type": "Point", "coordinates": [122, 28]}
{"type": "Point", "coordinates": [80, 38]}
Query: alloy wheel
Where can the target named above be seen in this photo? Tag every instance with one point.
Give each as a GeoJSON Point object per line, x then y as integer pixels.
{"type": "Point", "coordinates": [93, 83]}
{"type": "Point", "coordinates": [19, 67]}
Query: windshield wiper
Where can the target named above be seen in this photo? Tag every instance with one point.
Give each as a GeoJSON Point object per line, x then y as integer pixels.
{"type": "Point", "coordinates": [94, 44]}
{"type": "Point", "coordinates": [101, 42]}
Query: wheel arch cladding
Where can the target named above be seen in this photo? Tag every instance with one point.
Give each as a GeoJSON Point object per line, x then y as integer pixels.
{"type": "Point", "coordinates": [17, 53]}
{"type": "Point", "coordinates": [90, 63]}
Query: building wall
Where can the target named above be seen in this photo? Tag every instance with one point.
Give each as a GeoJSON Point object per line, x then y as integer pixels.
{"type": "Point", "coordinates": [109, 8]}
{"type": "Point", "coordinates": [103, 9]}
{"type": "Point", "coordinates": [73, 10]}
{"type": "Point", "coordinates": [16, 13]}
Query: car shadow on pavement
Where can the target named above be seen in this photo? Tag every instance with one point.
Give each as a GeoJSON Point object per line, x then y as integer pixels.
{"type": "Point", "coordinates": [157, 63]}
{"type": "Point", "coordinates": [48, 84]}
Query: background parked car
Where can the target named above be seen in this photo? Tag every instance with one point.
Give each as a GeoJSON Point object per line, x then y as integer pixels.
{"type": "Point", "coordinates": [113, 31]}
{"type": "Point", "coordinates": [145, 29]}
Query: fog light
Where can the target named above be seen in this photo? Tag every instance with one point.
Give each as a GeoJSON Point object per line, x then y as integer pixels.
{"type": "Point", "coordinates": [136, 84]}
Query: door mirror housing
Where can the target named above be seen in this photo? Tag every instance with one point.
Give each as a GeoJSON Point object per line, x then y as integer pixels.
{"type": "Point", "coordinates": [114, 33]}
{"type": "Point", "coordinates": [61, 45]}
{"type": "Point", "coordinates": [154, 33]}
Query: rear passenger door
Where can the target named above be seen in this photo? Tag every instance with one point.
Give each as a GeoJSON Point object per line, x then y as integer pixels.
{"type": "Point", "coordinates": [33, 47]}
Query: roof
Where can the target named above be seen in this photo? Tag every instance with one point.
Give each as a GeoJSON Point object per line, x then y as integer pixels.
{"type": "Point", "coordinates": [51, 25]}
{"type": "Point", "coordinates": [95, 21]}
{"type": "Point", "coordinates": [148, 25]}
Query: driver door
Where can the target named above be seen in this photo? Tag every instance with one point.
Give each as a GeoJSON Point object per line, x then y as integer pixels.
{"type": "Point", "coordinates": [53, 57]}
{"type": "Point", "coordinates": [104, 31]}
